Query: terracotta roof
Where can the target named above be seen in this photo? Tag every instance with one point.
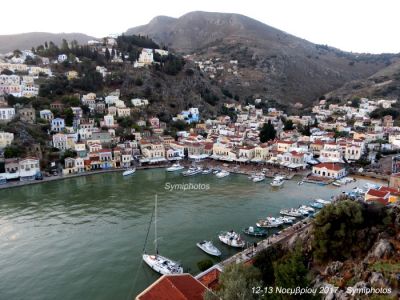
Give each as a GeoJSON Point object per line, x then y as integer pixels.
{"type": "Point", "coordinates": [392, 191]}
{"type": "Point", "coordinates": [379, 200]}
{"type": "Point", "coordinates": [176, 287]}
{"type": "Point", "coordinates": [210, 279]}
{"type": "Point", "coordinates": [331, 166]}
{"type": "Point", "coordinates": [377, 193]}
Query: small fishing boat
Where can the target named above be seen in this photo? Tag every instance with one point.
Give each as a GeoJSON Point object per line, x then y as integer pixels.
{"type": "Point", "coordinates": [277, 181]}
{"type": "Point", "coordinates": [209, 248]}
{"type": "Point", "coordinates": [307, 208]}
{"type": "Point", "coordinates": [255, 231]}
{"type": "Point", "coordinates": [232, 239]}
{"type": "Point", "coordinates": [192, 171]}
{"type": "Point", "coordinates": [207, 171]}
{"type": "Point", "coordinates": [216, 171]}
{"type": "Point", "coordinates": [258, 178]}
{"type": "Point", "coordinates": [129, 171]}
{"type": "Point", "coordinates": [269, 223]}
{"type": "Point", "coordinates": [175, 167]}
{"type": "Point", "coordinates": [323, 201]}
{"type": "Point", "coordinates": [222, 174]}
{"type": "Point", "coordinates": [287, 220]}
{"type": "Point", "coordinates": [290, 212]}
{"type": "Point", "coordinates": [316, 205]}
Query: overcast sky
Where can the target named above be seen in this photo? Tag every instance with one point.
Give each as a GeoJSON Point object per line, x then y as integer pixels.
{"type": "Point", "coordinates": [352, 25]}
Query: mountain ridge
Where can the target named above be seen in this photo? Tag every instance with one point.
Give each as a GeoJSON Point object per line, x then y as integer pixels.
{"type": "Point", "coordinates": [22, 41]}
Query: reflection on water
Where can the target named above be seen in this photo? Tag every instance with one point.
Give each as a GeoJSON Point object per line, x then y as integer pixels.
{"type": "Point", "coordinates": [82, 238]}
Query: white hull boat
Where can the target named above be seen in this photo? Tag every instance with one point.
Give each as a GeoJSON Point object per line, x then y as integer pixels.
{"type": "Point", "coordinates": [277, 181]}
{"type": "Point", "coordinates": [222, 174]}
{"type": "Point", "coordinates": [175, 167]}
{"type": "Point", "coordinates": [232, 239]}
{"type": "Point", "coordinates": [258, 178]}
{"type": "Point", "coordinates": [207, 171]}
{"type": "Point", "coordinates": [322, 201]}
{"type": "Point", "coordinates": [209, 248]}
{"type": "Point", "coordinates": [162, 265]}
{"type": "Point", "coordinates": [129, 172]}
{"type": "Point", "coordinates": [192, 171]}
{"type": "Point", "coordinates": [290, 212]}
{"type": "Point", "coordinates": [307, 208]}
{"type": "Point", "coordinates": [268, 224]}
{"type": "Point", "coordinates": [158, 263]}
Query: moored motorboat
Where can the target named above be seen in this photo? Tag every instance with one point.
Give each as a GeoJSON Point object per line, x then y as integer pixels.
{"type": "Point", "coordinates": [287, 220]}
{"type": "Point", "coordinates": [307, 208]}
{"type": "Point", "coordinates": [269, 223]}
{"type": "Point", "coordinates": [175, 167]}
{"type": "Point", "coordinates": [192, 171]}
{"type": "Point", "coordinates": [258, 178]}
{"type": "Point", "coordinates": [207, 171]}
{"type": "Point", "coordinates": [209, 248]}
{"type": "Point", "coordinates": [232, 239]}
{"type": "Point", "coordinates": [277, 181]}
{"type": "Point", "coordinates": [317, 205]}
{"type": "Point", "coordinates": [222, 174]}
{"type": "Point", "coordinates": [322, 201]}
{"type": "Point", "coordinates": [255, 231]}
{"type": "Point", "coordinates": [129, 171]}
{"type": "Point", "coordinates": [290, 212]}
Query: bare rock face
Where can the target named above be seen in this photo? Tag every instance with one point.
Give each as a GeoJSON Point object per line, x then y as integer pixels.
{"type": "Point", "coordinates": [333, 268]}
{"type": "Point", "coordinates": [377, 280]}
{"type": "Point", "coordinates": [382, 248]}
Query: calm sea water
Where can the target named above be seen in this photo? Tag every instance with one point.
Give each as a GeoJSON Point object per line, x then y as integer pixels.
{"type": "Point", "coordinates": [82, 238]}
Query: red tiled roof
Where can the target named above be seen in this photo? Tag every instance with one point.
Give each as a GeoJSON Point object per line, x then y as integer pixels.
{"type": "Point", "coordinates": [176, 287]}
{"type": "Point", "coordinates": [377, 193]}
{"type": "Point", "coordinates": [330, 166]}
{"type": "Point", "coordinates": [379, 200]}
{"type": "Point", "coordinates": [392, 191]}
{"type": "Point", "coordinates": [210, 279]}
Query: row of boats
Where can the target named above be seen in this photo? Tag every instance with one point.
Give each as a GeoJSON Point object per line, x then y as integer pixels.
{"type": "Point", "coordinates": [195, 170]}
{"type": "Point", "coordinates": [164, 265]}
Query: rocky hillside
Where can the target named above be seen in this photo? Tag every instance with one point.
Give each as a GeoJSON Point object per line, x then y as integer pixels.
{"type": "Point", "coordinates": [32, 39]}
{"type": "Point", "coordinates": [272, 64]}
{"type": "Point", "coordinates": [385, 83]}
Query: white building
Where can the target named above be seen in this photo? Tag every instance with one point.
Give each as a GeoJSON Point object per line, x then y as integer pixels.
{"type": "Point", "coordinates": [6, 114]}
{"type": "Point", "coordinates": [6, 139]}
{"type": "Point", "coordinates": [46, 114]}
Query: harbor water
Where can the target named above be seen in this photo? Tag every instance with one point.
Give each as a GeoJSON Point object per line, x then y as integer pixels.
{"type": "Point", "coordinates": [82, 238]}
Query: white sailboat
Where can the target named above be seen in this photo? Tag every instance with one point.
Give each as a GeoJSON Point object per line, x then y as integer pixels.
{"type": "Point", "coordinates": [158, 263]}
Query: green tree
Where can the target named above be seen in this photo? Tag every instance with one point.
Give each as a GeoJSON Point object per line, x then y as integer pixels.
{"type": "Point", "coordinates": [267, 132]}
{"type": "Point", "coordinates": [236, 283]}
{"type": "Point", "coordinates": [12, 151]}
{"type": "Point", "coordinates": [335, 230]}
{"type": "Point", "coordinates": [288, 125]}
{"type": "Point", "coordinates": [69, 117]}
{"type": "Point", "coordinates": [291, 272]}
{"type": "Point", "coordinates": [264, 261]}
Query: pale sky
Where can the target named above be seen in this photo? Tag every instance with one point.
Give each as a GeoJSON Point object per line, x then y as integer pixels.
{"type": "Point", "coordinates": [352, 25]}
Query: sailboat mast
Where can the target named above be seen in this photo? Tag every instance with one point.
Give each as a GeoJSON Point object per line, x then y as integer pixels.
{"type": "Point", "coordinates": [155, 225]}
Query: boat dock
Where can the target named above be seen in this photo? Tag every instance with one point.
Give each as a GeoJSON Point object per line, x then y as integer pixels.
{"type": "Point", "coordinates": [283, 236]}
